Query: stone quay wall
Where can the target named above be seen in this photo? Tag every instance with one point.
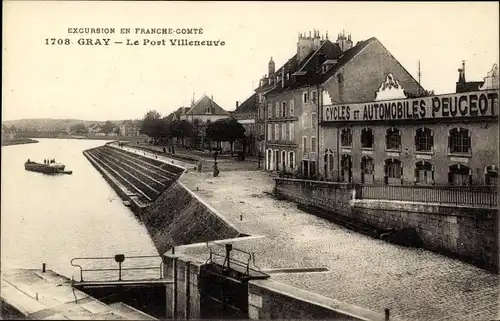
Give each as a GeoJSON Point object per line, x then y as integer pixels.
{"type": "Point", "coordinates": [466, 233]}
{"type": "Point", "coordinates": [180, 217]}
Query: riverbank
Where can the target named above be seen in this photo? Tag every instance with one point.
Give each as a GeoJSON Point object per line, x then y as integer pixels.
{"type": "Point", "coordinates": [20, 141]}
{"type": "Point", "coordinates": [109, 138]}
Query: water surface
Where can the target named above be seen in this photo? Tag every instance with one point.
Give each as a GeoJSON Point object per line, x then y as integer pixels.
{"type": "Point", "coordinates": [52, 219]}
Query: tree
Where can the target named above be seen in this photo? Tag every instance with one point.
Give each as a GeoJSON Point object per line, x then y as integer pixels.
{"type": "Point", "coordinates": [234, 131]}
{"type": "Point", "coordinates": [79, 129]}
{"type": "Point", "coordinates": [215, 131]}
{"type": "Point", "coordinates": [108, 127]}
{"type": "Point", "coordinates": [197, 129]}
{"type": "Point", "coordinates": [182, 129]}
{"type": "Point", "coordinates": [152, 124]}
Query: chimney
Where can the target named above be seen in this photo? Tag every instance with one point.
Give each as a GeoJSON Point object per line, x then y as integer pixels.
{"type": "Point", "coordinates": [461, 73]}
{"type": "Point", "coordinates": [283, 77]}
{"type": "Point", "coordinates": [237, 104]}
{"type": "Point", "coordinates": [271, 67]}
{"type": "Point", "coordinates": [344, 42]}
{"type": "Point", "coordinates": [307, 44]}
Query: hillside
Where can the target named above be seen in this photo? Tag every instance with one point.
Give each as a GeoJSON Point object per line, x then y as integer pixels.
{"type": "Point", "coordinates": [50, 124]}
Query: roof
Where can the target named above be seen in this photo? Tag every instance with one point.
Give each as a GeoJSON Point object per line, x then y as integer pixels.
{"type": "Point", "coordinates": [468, 86]}
{"type": "Point", "coordinates": [249, 105]}
{"type": "Point", "coordinates": [176, 114]}
{"type": "Point", "coordinates": [309, 68]}
{"type": "Point", "coordinates": [200, 107]}
{"type": "Point", "coordinates": [347, 56]}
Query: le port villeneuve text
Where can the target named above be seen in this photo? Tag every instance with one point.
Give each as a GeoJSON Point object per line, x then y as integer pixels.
{"type": "Point", "coordinates": [149, 37]}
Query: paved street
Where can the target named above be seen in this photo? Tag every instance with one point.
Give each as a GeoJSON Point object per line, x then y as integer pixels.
{"type": "Point", "coordinates": [415, 284]}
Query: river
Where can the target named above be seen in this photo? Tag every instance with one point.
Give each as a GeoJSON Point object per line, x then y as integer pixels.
{"type": "Point", "coordinates": [52, 219]}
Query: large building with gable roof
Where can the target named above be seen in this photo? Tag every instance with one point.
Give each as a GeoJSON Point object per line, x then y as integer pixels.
{"type": "Point", "coordinates": [377, 128]}
{"type": "Point", "coordinates": [321, 72]}
{"type": "Point", "coordinates": [205, 109]}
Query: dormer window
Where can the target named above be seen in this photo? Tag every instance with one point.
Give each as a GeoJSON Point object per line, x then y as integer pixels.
{"type": "Point", "coordinates": [328, 64]}
{"type": "Point", "coordinates": [208, 111]}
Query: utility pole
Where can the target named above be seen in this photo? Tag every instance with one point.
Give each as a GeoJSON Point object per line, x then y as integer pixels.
{"type": "Point", "coordinates": [419, 74]}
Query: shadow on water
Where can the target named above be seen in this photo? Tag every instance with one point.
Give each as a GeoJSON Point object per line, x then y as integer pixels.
{"type": "Point", "coordinates": [53, 218]}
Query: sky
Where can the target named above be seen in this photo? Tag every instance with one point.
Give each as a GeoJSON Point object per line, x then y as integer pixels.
{"type": "Point", "coordinates": [124, 82]}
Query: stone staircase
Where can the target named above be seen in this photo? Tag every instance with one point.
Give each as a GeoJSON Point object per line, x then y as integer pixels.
{"type": "Point", "coordinates": [134, 176]}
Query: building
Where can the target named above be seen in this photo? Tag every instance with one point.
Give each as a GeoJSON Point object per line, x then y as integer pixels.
{"type": "Point", "coordinates": [292, 96]}
{"type": "Point", "coordinates": [200, 114]}
{"type": "Point", "coordinates": [205, 109]}
{"type": "Point", "coordinates": [465, 86]}
{"type": "Point", "coordinates": [382, 134]}
{"type": "Point", "coordinates": [246, 114]}
{"type": "Point", "coordinates": [266, 83]}
{"type": "Point", "coordinates": [130, 128]}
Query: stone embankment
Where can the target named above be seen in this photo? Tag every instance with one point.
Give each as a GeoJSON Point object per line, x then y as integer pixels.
{"type": "Point", "coordinates": [172, 214]}
{"type": "Point", "coordinates": [464, 232]}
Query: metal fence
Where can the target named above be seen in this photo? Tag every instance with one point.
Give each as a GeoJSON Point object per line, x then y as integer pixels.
{"type": "Point", "coordinates": [458, 195]}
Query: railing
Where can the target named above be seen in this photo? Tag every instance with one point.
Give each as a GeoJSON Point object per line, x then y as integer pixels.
{"type": "Point", "coordinates": [118, 259]}
{"type": "Point", "coordinates": [228, 260]}
{"type": "Point", "coordinates": [457, 195]}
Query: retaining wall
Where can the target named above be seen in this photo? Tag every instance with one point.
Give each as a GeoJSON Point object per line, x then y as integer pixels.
{"type": "Point", "coordinates": [466, 233]}
{"type": "Point", "coordinates": [180, 217]}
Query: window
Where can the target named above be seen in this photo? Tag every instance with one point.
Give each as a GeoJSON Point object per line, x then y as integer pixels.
{"type": "Point", "coordinates": [304, 144]}
{"type": "Point", "coordinates": [314, 120]}
{"type": "Point", "coordinates": [305, 97]}
{"type": "Point", "coordinates": [283, 109]}
{"type": "Point", "coordinates": [366, 138]}
{"type": "Point", "coordinates": [393, 171]}
{"type": "Point", "coordinates": [424, 140]}
{"type": "Point", "coordinates": [269, 159]}
{"type": "Point", "coordinates": [393, 139]}
{"type": "Point", "coordinates": [313, 144]}
{"type": "Point", "coordinates": [276, 132]}
{"type": "Point", "coordinates": [269, 132]}
{"type": "Point", "coordinates": [314, 94]}
{"type": "Point", "coordinates": [459, 175]}
{"type": "Point", "coordinates": [292, 108]}
{"type": "Point", "coordinates": [367, 169]}
{"type": "Point", "coordinates": [276, 160]}
{"type": "Point", "coordinates": [304, 120]}
{"type": "Point", "coordinates": [269, 111]}
{"type": "Point", "coordinates": [346, 137]}
{"type": "Point", "coordinates": [283, 132]}
{"type": "Point", "coordinates": [424, 173]}
{"type": "Point", "coordinates": [491, 176]}
{"type": "Point", "coordinates": [292, 133]}
{"type": "Point", "coordinates": [328, 164]}
{"type": "Point", "coordinates": [346, 168]}
{"type": "Point", "coordinates": [291, 160]}
{"type": "Point", "coordinates": [459, 141]}
{"type": "Point", "coordinates": [277, 110]}
{"type": "Point", "coordinates": [283, 159]}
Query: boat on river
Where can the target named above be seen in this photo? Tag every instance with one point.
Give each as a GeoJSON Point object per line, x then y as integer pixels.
{"type": "Point", "coordinates": [50, 167]}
